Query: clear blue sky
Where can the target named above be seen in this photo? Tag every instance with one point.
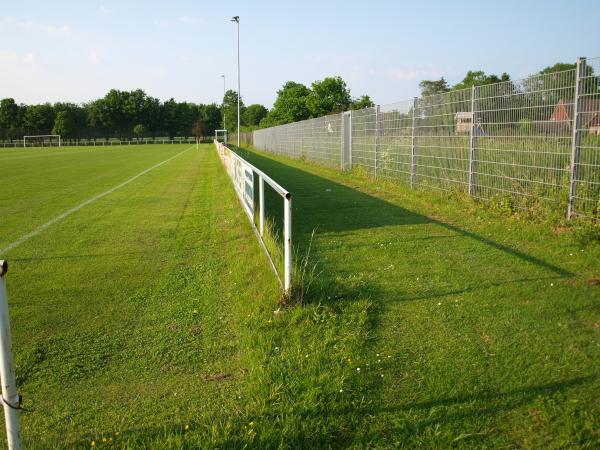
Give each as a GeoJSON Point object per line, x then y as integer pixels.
{"type": "Point", "coordinates": [77, 50]}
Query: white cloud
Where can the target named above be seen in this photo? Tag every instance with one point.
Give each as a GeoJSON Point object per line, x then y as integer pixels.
{"type": "Point", "coordinates": [29, 58]}
{"type": "Point", "coordinates": [162, 23]}
{"type": "Point", "coordinates": [361, 72]}
{"type": "Point", "coordinates": [189, 19]}
{"type": "Point", "coordinates": [403, 73]}
{"type": "Point", "coordinates": [94, 58]}
{"type": "Point", "coordinates": [31, 26]}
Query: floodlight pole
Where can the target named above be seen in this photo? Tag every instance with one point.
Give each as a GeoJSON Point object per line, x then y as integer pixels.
{"type": "Point", "coordinates": [224, 92]}
{"type": "Point", "coordinates": [236, 19]}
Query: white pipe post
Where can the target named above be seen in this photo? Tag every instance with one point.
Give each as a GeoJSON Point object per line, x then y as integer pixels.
{"type": "Point", "coordinates": [377, 143]}
{"type": "Point", "coordinates": [413, 179]}
{"type": "Point", "coordinates": [287, 226]}
{"type": "Point", "coordinates": [473, 144]}
{"type": "Point", "coordinates": [11, 400]}
{"type": "Point", "coordinates": [576, 139]}
{"type": "Point", "coordinates": [261, 204]}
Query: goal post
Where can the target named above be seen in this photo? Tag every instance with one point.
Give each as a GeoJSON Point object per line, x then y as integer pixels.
{"type": "Point", "coordinates": [221, 136]}
{"type": "Point", "coordinates": [43, 140]}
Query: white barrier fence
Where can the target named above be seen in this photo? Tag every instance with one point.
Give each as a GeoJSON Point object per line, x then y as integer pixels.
{"type": "Point", "coordinates": [242, 175]}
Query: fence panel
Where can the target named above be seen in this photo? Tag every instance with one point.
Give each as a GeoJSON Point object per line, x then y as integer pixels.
{"type": "Point", "coordinates": [587, 179]}
{"type": "Point", "coordinates": [519, 140]}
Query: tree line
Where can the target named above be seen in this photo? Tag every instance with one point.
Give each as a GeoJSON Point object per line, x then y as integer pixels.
{"type": "Point", "coordinates": [127, 114]}
{"type": "Point", "coordinates": [122, 114]}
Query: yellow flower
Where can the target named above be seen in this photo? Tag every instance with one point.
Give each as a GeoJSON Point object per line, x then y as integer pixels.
{"type": "Point", "coordinates": [103, 439]}
{"type": "Point", "coordinates": [187, 427]}
{"type": "Point", "coordinates": [93, 443]}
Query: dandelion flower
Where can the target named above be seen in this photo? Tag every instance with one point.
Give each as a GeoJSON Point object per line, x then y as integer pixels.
{"type": "Point", "coordinates": [103, 439]}
{"type": "Point", "coordinates": [358, 369]}
{"type": "Point", "coordinates": [306, 356]}
{"type": "Point", "coordinates": [93, 443]}
{"type": "Point", "coordinates": [187, 427]}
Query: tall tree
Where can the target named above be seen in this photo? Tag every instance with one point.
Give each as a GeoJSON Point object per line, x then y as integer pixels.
{"type": "Point", "coordinates": [10, 119]}
{"type": "Point", "coordinates": [64, 125]}
{"type": "Point", "coordinates": [362, 102]}
{"type": "Point", "coordinates": [290, 105]}
{"type": "Point", "coordinates": [479, 78]}
{"type": "Point", "coordinates": [330, 95]}
{"type": "Point", "coordinates": [229, 110]}
{"type": "Point", "coordinates": [253, 114]}
{"type": "Point", "coordinates": [38, 119]}
{"type": "Point", "coordinates": [433, 87]}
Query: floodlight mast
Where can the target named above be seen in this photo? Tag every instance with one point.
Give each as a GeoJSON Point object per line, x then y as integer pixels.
{"type": "Point", "coordinates": [236, 19]}
{"type": "Point", "coordinates": [224, 92]}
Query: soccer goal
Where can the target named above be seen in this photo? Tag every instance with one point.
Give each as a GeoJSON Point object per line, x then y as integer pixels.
{"type": "Point", "coordinates": [42, 140]}
{"type": "Point", "coordinates": [221, 136]}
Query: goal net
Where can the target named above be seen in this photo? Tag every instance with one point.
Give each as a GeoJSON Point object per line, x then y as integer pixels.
{"type": "Point", "coordinates": [221, 135]}
{"type": "Point", "coordinates": [42, 140]}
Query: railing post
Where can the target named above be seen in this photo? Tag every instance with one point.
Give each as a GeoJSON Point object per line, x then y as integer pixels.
{"type": "Point", "coordinates": [261, 204]}
{"type": "Point", "coordinates": [377, 140]}
{"type": "Point", "coordinates": [413, 144]}
{"type": "Point", "coordinates": [580, 72]}
{"type": "Point", "coordinates": [473, 144]}
{"type": "Point", "coordinates": [11, 399]}
{"type": "Point", "coordinates": [287, 225]}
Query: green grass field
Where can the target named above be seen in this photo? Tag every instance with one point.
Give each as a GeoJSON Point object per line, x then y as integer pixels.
{"type": "Point", "coordinates": [149, 317]}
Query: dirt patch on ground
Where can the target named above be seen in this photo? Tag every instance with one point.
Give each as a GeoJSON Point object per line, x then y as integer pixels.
{"type": "Point", "coordinates": [218, 377]}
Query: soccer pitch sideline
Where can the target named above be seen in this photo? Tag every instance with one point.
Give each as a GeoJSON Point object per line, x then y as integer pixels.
{"type": "Point", "coordinates": [148, 316]}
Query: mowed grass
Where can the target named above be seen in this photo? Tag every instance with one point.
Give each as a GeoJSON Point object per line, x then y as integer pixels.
{"type": "Point", "coordinates": [442, 324]}
{"type": "Point", "coordinates": [126, 314]}
{"type": "Point", "coordinates": [149, 319]}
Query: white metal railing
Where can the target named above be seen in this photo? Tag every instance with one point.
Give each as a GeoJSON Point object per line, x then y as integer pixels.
{"type": "Point", "coordinates": [11, 400]}
{"type": "Point", "coordinates": [242, 175]}
{"type": "Point", "coordinates": [534, 138]}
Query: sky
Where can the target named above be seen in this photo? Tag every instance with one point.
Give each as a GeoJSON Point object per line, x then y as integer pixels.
{"type": "Point", "coordinates": [77, 50]}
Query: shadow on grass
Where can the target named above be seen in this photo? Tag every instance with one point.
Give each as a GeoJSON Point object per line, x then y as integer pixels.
{"type": "Point", "coordinates": [332, 207]}
{"type": "Point", "coordinates": [409, 424]}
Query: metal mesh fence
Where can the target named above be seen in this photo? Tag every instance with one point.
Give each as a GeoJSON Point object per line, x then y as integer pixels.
{"type": "Point", "coordinates": [586, 192]}
{"type": "Point", "coordinates": [520, 140]}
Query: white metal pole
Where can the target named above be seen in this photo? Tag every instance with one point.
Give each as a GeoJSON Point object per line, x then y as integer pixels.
{"type": "Point", "coordinates": [287, 237]}
{"type": "Point", "coordinates": [239, 89]}
{"type": "Point", "coordinates": [413, 179]}
{"type": "Point", "coordinates": [473, 144]}
{"type": "Point", "coordinates": [576, 134]}
{"type": "Point", "coordinates": [261, 203]}
{"type": "Point", "coordinates": [11, 401]}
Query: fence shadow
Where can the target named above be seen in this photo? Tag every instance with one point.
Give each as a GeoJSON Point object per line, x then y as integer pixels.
{"type": "Point", "coordinates": [330, 207]}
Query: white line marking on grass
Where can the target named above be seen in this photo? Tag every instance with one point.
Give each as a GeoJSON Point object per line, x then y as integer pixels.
{"type": "Point", "coordinates": [67, 213]}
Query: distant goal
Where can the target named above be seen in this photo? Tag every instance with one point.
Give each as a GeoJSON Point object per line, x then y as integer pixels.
{"type": "Point", "coordinates": [42, 140]}
{"type": "Point", "coordinates": [221, 136]}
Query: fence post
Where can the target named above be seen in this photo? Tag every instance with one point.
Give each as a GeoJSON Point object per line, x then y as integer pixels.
{"type": "Point", "coordinates": [261, 204]}
{"type": "Point", "coordinates": [413, 144]}
{"type": "Point", "coordinates": [377, 140]}
{"type": "Point", "coordinates": [11, 400]}
{"type": "Point", "coordinates": [473, 143]}
{"type": "Point", "coordinates": [580, 72]}
{"type": "Point", "coordinates": [287, 225]}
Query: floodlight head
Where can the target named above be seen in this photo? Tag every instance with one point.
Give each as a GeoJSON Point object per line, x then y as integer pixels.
{"type": "Point", "coordinates": [235, 19]}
